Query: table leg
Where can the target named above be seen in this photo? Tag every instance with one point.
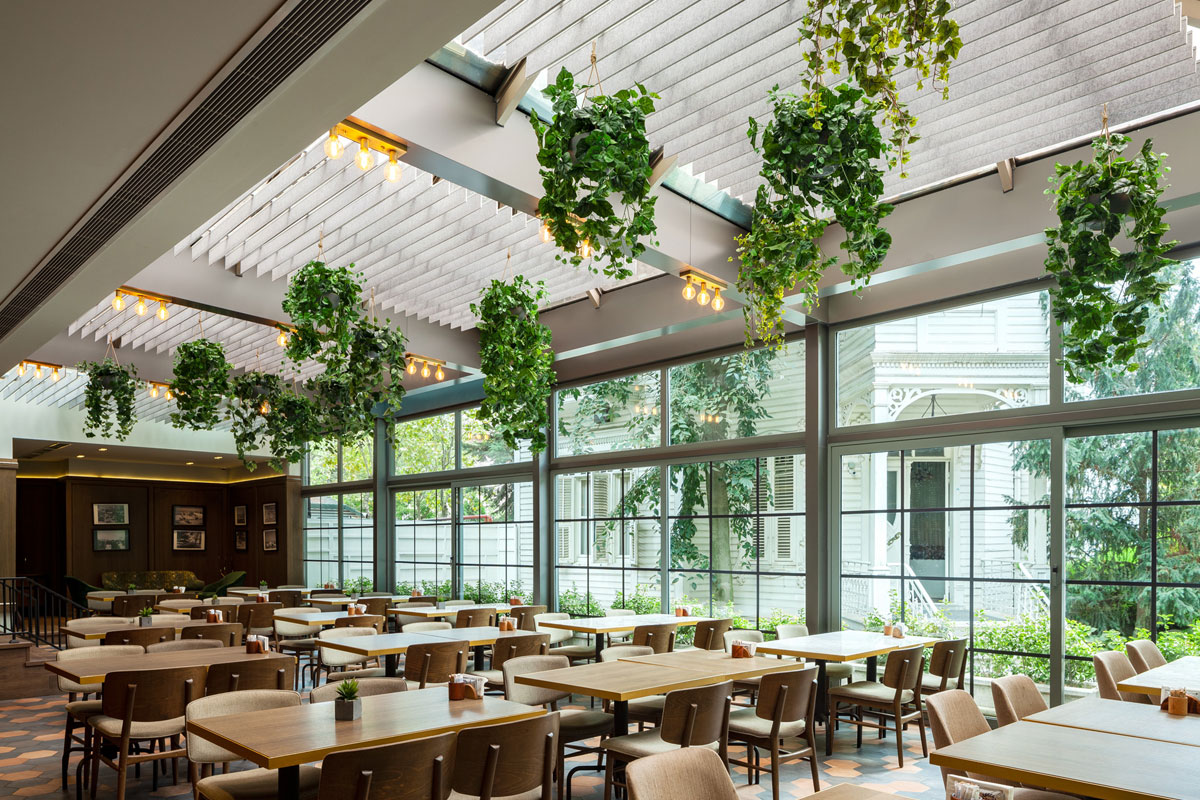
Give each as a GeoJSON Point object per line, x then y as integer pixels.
{"type": "Point", "coordinates": [390, 662]}
{"type": "Point", "coordinates": [872, 667]}
{"type": "Point", "coordinates": [289, 783]}
{"type": "Point", "coordinates": [478, 658]}
{"type": "Point", "coordinates": [823, 710]}
{"type": "Point", "coordinates": [599, 646]}
{"type": "Point", "coordinates": [620, 709]}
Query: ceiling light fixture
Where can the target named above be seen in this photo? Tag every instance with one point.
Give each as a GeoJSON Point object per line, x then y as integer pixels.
{"type": "Point", "coordinates": [118, 302]}
{"type": "Point", "coordinates": [333, 145]}
{"type": "Point", "coordinates": [364, 158]}
{"type": "Point", "coordinates": [429, 366]}
{"type": "Point", "coordinates": [80, 455]}
{"type": "Point", "coordinates": [439, 374]}
{"type": "Point", "coordinates": [162, 313]}
{"type": "Point", "coordinates": [545, 232]}
{"type": "Point", "coordinates": [217, 458]}
{"type": "Point", "coordinates": [709, 291]}
{"type": "Point", "coordinates": [189, 463]}
{"type": "Point", "coordinates": [392, 171]}
{"type": "Point", "coordinates": [689, 289]}
{"type": "Point", "coordinates": [370, 141]}
{"type": "Point", "coordinates": [37, 371]}
{"type": "Point", "coordinates": [140, 307]}
{"type": "Point", "coordinates": [168, 394]}
{"type": "Point", "coordinates": [265, 408]}
{"type": "Point", "coordinates": [282, 338]}
{"type": "Point", "coordinates": [424, 369]}
{"type": "Point", "coordinates": [24, 366]}
{"type": "Point", "coordinates": [55, 375]}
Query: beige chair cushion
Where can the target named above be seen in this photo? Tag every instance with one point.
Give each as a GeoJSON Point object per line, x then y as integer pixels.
{"type": "Point", "coordinates": [843, 672]}
{"type": "Point", "coordinates": [82, 709]}
{"type": "Point", "coordinates": [574, 651]}
{"type": "Point", "coordinates": [358, 674]}
{"type": "Point", "coordinates": [647, 709]}
{"type": "Point", "coordinates": [646, 743]}
{"type": "Point", "coordinates": [578, 724]}
{"type": "Point", "coordinates": [414, 685]}
{"type": "Point", "coordinates": [256, 784]}
{"type": "Point", "coordinates": [933, 683]}
{"type": "Point", "coordinates": [111, 727]}
{"type": "Point", "coordinates": [869, 692]}
{"type": "Point", "coordinates": [495, 677]}
{"type": "Point", "coordinates": [745, 721]}
{"type": "Point", "coordinates": [201, 750]}
{"type": "Point", "coordinates": [532, 794]}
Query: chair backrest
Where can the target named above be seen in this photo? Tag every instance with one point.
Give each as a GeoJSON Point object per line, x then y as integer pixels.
{"type": "Point", "coordinates": [949, 661]}
{"type": "Point", "coordinates": [660, 637]}
{"type": "Point", "coordinates": [229, 634]}
{"type": "Point", "coordinates": [1016, 697]}
{"type": "Point", "coordinates": [741, 635]}
{"type": "Point", "coordinates": [459, 602]}
{"type": "Point", "coordinates": [136, 634]}
{"type": "Point", "coordinates": [788, 696]}
{"type": "Point", "coordinates": [697, 716]}
{"type": "Point", "coordinates": [257, 616]}
{"type": "Point", "coordinates": [953, 717]}
{"type": "Point", "coordinates": [420, 769]}
{"type": "Point", "coordinates": [710, 634]}
{"type": "Point", "coordinates": [285, 628]}
{"type": "Point", "coordinates": [201, 750]}
{"type": "Point", "coordinates": [325, 592]}
{"type": "Point", "coordinates": [620, 612]}
{"type": "Point", "coordinates": [408, 619]}
{"type": "Point", "coordinates": [429, 625]}
{"type": "Point", "coordinates": [532, 695]}
{"type": "Point", "coordinates": [128, 605]}
{"type": "Point", "coordinates": [151, 695]}
{"type": "Point", "coordinates": [475, 618]}
{"type": "Point", "coordinates": [790, 630]}
{"type": "Point", "coordinates": [694, 772]}
{"type": "Point", "coordinates": [435, 662]}
{"type": "Point", "coordinates": [619, 651]}
{"type": "Point", "coordinates": [259, 673]}
{"type": "Point", "coordinates": [229, 611]}
{"type": "Point", "coordinates": [424, 599]}
{"type": "Point", "coordinates": [525, 616]}
{"type": "Point", "coordinates": [376, 606]}
{"type": "Point", "coordinates": [367, 687]}
{"type": "Point", "coordinates": [67, 686]}
{"type": "Point", "coordinates": [285, 597]}
{"type": "Point", "coordinates": [509, 759]}
{"type": "Point", "coordinates": [183, 644]}
{"type": "Point", "coordinates": [360, 621]}
{"type": "Point", "coordinates": [1112, 667]}
{"type": "Point", "coordinates": [292, 586]}
{"type": "Point", "coordinates": [340, 658]}
{"type": "Point", "coordinates": [904, 668]}
{"type": "Point", "coordinates": [509, 647]}
{"type": "Point", "coordinates": [1144, 655]}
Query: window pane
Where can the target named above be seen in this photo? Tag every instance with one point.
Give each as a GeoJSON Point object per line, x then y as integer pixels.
{"type": "Point", "coordinates": [867, 603]}
{"type": "Point", "coordinates": [1109, 469]}
{"type": "Point", "coordinates": [358, 459]}
{"type": "Point", "coordinates": [752, 393]}
{"type": "Point", "coordinates": [1179, 464]}
{"type": "Point", "coordinates": [424, 445]}
{"type": "Point", "coordinates": [321, 463]}
{"type": "Point", "coordinates": [1178, 539]}
{"type": "Point", "coordinates": [870, 544]}
{"type": "Point", "coordinates": [480, 448]}
{"type": "Point", "coordinates": [1109, 544]}
{"type": "Point", "coordinates": [618, 414]}
{"type": "Point", "coordinates": [1107, 608]}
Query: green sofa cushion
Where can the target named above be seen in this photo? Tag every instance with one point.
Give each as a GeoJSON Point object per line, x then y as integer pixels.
{"type": "Point", "coordinates": [151, 579]}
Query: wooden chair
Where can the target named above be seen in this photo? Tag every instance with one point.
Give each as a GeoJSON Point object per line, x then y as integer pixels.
{"type": "Point", "coordinates": [404, 620]}
{"type": "Point", "coordinates": [897, 697]}
{"type": "Point", "coordinates": [297, 639]}
{"type": "Point", "coordinates": [1144, 655]}
{"type": "Point", "coordinates": [128, 605]}
{"type": "Point", "coordinates": [747, 686]}
{"type": "Point", "coordinates": [508, 648]}
{"type": "Point", "coordinates": [425, 599]}
{"type": "Point", "coordinates": [176, 645]}
{"type": "Point", "coordinates": [835, 673]}
{"type": "Point", "coordinates": [710, 634]}
{"type": "Point", "coordinates": [258, 618]}
{"type": "Point", "coordinates": [691, 718]}
{"type": "Point", "coordinates": [947, 667]}
{"type": "Point", "coordinates": [203, 754]}
{"type": "Point", "coordinates": [330, 659]}
{"type": "Point", "coordinates": [136, 634]}
{"type": "Point", "coordinates": [575, 652]}
{"type": "Point", "coordinates": [1016, 697]}
{"type": "Point", "coordinates": [287, 598]}
{"type": "Point", "coordinates": [229, 634]}
{"type": "Point", "coordinates": [421, 769]}
{"type": "Point", "coordinates": [259, 673]}
{"type": "Point", "coordinates": [459, 602]}
{"type": "Point", "coordinates": [659, 637]}
{"type": "Point", "coordinates": [229, 612]}
{"type": "Point", "coordinates": [81, 709]}
{"type": "Point", "coordinates": [619, 637]}
{"type": "Point", "coordinates": [434, 663]}
{"type": "Point", "coordinates": [376, 606]}
{"type": "Point", "coordinates": [367, 687]}
{"type": "Point", "coordinates": [690, 772]}
{"type": "Point", "coordinates": [141, 706]}
{"type": "Point", "coordinates": [475, 618]}
{"type": "Point", "coordinates": [786, 709]}
{"type": "Point", "coordinates": [644, 710]}
{"type": "Point", "coordinates": [525, 617]}
{"type": "Point", "coordinates": [574, 725]}
{"type": "Point", "coordinates": [361, 621]}
{"type": "Point", "coordinates": [1112, 667]}
{"type": "Point", "coordinates": [431, 625]}
{"type": "Point", "coordinates": [512, 759]}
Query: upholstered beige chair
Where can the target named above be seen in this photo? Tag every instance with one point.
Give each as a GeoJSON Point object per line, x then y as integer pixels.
{"type": "Point", "coordinates": [183, 644]}
{"type": "Point", "coordinates": [408, 619]}
{"type": "Point", "coordinates": [417, 627]}
{"type": "Point", "coordinates": [558, 636]}
{"type": "Point", "coordinates": [786, 709]}
{"type": "Point", "coordinates": [367, 687]}
{"type": "Point", "coordinates": [81, 709]}
{"type": "Point", "coordinates": [1144, 655]}
{"type": "Point", "coordinates": [690, 772]}
{"type": "Point", "coordinates": [748, 685]}
{"type": "Point", "coordinates": [511, 647]}
{"type": "Point", "coordinates": [1016, 697]}
{"type": "Point", "coordinates": [330, 659]}
{"type": "Point", "coordinates": [93, 624]}
{"type": "Point", "coordinates": [896, 699]}
{"type": "Point", "coordinates": [645, 710]}
{"type": "Point", "coordinates": [1112, 667]}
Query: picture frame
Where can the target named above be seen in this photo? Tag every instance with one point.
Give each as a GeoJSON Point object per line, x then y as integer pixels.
{"type": "Point", "coordinates": [269, 513]}
{"type": "Point", "coordinates": [241, 541]}
{"type": "Point", "coordinates": [110, 539]}
{"type": "Point", "coordinates": [187, 539]}
{"type": "Point", "coordinates": [270, 540]}
{"type": "Point", "coordinates": [239, 515]}
{"type": "Point", "coordinates": [187, 516]}
{"type": "Point", "coordinates": [110, 513]}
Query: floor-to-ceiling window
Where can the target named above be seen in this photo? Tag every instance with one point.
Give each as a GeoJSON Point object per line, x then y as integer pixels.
{"type": "Point", "coordinates": [495, 529]}
{"type": "Point", "coordinates": [337, 526]}
{"type": "Point", "coordinates": [424, 530]}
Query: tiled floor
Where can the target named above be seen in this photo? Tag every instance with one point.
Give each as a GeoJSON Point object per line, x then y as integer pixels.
{"type": "Point", "coordinates": [31, 733]}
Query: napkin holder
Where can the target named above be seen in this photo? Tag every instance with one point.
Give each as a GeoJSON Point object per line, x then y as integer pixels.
{"type": "Point", "coordinates": [1178, 703]}
{"type": "Point", "coordinates": [214, 615]}
{"type": "Point", "coordinates": [466, 687]}
{"type": "Point", "coordinates": [515, 601]}
{"type": "Point", "coordinates": [260, 598]}
{"type": "Point", "coordinates": [898, 630]}
{"type": "Point", "coordinates": [740, 649]}
{"type": "Point", "coordinates": [972, 789]}
{"type": "Point", "coordinates": [508, 624]}
{"type": "Point", "coordinates": [256, 644]}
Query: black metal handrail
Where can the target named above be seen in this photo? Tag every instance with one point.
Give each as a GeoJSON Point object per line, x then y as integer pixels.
{"type": "Point", "coordinates": [36, 613]}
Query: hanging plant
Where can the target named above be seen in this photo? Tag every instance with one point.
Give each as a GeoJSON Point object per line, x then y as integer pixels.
{"type": "Point", "coordinates": [109, 398]}
{"type": "Point", "coordinates": [1103, 295]}
{"type": "Point", "coordinates": [516, 360]}
{"type": "Point", "coordinates": [323, 303]}
{"type": "Point", "coordinates": [870, 41]}
{"type": "Point", "coordinates": [201, 381]}
{"type": "Point", "coordinates": [814, 163]}
{"type": "Point", "coordinates": [290, 424]}
{"type": "Point", "coordinates": [591, 155]}
{"type": "Point", "coordinates": [247, 394]}
{"type": "Point", "coordinates": [265, 413]}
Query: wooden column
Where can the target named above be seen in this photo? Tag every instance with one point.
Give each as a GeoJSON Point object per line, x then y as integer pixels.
{"type": "Point", "coordinates": [8, 517]}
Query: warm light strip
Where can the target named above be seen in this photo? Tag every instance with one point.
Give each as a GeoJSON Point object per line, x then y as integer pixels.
{"type": "Point", "coordinates": [425, 361]}
{"type": "Point", "coordinates": [38, 366]}
{"type": "Point", "coordinates": [698, 275]}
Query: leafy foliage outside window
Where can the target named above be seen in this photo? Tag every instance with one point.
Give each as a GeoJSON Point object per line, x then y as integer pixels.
{"type": "Point", "coordinates": [108, 398]}
{"type": "Point", "coordinates": [200, 383]}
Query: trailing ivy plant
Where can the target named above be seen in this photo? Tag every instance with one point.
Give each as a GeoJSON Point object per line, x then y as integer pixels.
{"type": "Point", "coordinates": [109, 398]}
{"type": "Point", "coordinates": [200, 383]}
{"type": "Point", "coordinates": [264, 412]}
{"type": "Point", "coordinates": [870, 41]}
{"type": "Point", "coordinates": [1103, 295]}
{"type": "Point", "coordinates": [348, 392]}
{"type": "Point", "coordinates": [291, 423]}
{"type": "Point", "coordinates": [816, 161]}
{"type": "Point", "coordinates": [323, 303]}
{"type": "Point", "coordinates": [516, 360]}
{"type": "Point", "coordinates": [591, 155]}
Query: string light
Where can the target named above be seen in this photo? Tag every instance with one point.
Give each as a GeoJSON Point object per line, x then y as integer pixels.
{"type": "Point", "coordinates": [429, 366]}
{"type": "Point", "coordinates": [142, 305]}
{"type": "Point", "coordinates": [392, 170]}
{"type": "Point", "coordinates": [54, 376]}
{"type": "Point", "coordinates": [169, 395]}
{"type": "Point", "coordinates": [585, 249]}
{"type": "Point", "coordinates": [364, 158]}
{"type": "Point", "coordinates": [154, 390]}
{"type": "Point", "coordinates": [424, 369]}
{"type": "Point", "coordinates": [282, 338]}
{"type": "Point", "coordinates": [118, 302]}
{"type": "Point", "coordinates": [333, 145]}
{"type": "Point", "coordinates": [24, 365]}
{"type": "Point", "coordinates": [37, 371]}
{"type": "Point", "coordinates": [265, 408]}
{"type": "Point", "coordinates": [412, 366]}
{"type": "Point", "coordinates": [21, 369]}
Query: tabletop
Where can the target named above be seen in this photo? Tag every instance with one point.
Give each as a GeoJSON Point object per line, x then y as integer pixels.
{"type": "Point", "coordinates": [93, 670]}
{"type": "Point", "coordinates": [1183, 672]}
{"type": "Point", "coordinates": [452, 611]}
{"type": "Point", "coordinates": [841, 645]}
{"type": "Point", "coordinates": [381, 644]}
{"type": "Point", "coordinates": [338, 600]}
{"type": "Point", "coordinates": [478, 635]}
{"type": "Point", "coordinates": [180, 606]}
{"type": "Point", "coordinates": [319, 619]}
{"type": "Point", "coordinates": [284, 737]}
{"type": "Point", "coordinates": [849, 791]}
{"type": "Point", "coordinates": [618, 624]}
{"type": "Point", "coordinates": [718, 663]}
{"type": "Point", "coordinates": [1127, 719]}
{"type": "Point", "coordinates": [177, 621]}
{"type": "Point", "coordinates": [618, 680]}
{"type": "Point", "coordinates": [250, 591]}
{"type": "Point", "coordinates": [1090, 763]}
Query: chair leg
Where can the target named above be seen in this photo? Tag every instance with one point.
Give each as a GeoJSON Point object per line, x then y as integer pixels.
{"type": "Point", "coordinates": [97, 745]}
{"type": "Point", "coordinates": [122, 769]}
{"type": "Point", "coordinates": [66, 756]}
{"type": "Point", "coordinates": [899, 738]}
{"type": "Point", "coordinates": [812, 762]}
{"type": "Point", "coordinates": [858, 715]}
{"type": "Point", "coordinates": [774, 769]}
{"type": "Point", "coordinates": [608, 777]}
{"type": "Point", "coordinates": [924, 743]}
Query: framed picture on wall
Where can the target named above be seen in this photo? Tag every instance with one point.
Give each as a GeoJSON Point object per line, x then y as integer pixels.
{"type": "Point", "coordinates": [188, 540]}
{"type": "Point", "coordinates": [270, 539]}
{"type": "Point", "coordinates": [110, 539]}
{"type": "Point", "coordinates": [239, 515]}
{"type": "Point", "coordinates": [240, 540]}
{"type": "Point", "coordinates": [268, 513]}
{"type": "Point", "coordinates": [187, 516]}
{"type": "Point", "coordinates": [110, 513]}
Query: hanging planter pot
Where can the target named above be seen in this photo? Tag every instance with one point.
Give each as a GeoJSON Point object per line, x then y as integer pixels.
{"type": "Point", "coordinates": [333, 299]}
{"type": "Point", "coordinates": [109, 398]}
{"type": "Point", "coordinates": [200, 384]}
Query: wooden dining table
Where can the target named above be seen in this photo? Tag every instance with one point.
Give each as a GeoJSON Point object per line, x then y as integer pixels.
{"type": "Point", "coordinates": [176, 621]}
{"type": "Point", "coordinates": [718, 662]}
{"type": "Point", "coordinates": [597, 626]}
{"type": "Point", "coordinates": [1139, 720]}
{"type": "Point", "coordinates": [388, 646]}
{"type": "Point", "coordinates": [342, 601]}
{"type": "Point", "coordinates": [1182, 672]}
{"type": "Point", "coordinates": [318, 619]}
{"type": "Point", "coordinates": [93, 670]}
{"type": "Point", "coordinates": [430, 612]}
{"type": "Point", "coordinates": [251, 591]}
{"type": "Point", "coordinates": [284, 738]}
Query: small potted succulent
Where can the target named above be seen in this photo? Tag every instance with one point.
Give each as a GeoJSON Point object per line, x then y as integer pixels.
{"type": "Point", "coordinates": [347, 706]}
{"type": "Point", "coordinates": [262, 585]}
{"type": "Point", "coordinates": [131, 588]}
{"type": "Point", "coordinates": [146, 617]}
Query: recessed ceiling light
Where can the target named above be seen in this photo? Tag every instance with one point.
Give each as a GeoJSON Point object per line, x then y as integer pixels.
{"type": "Point", "coordinates": [189, 463]}
{"type": "Point", "coordinates": [81, 455]}
{"type": "Point", "coordinates": [103, 449]}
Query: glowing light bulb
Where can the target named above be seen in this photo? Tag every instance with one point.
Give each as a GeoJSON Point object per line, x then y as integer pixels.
{"type": "Point", "coordinates": [585, 249]}
{"type": "Point", "coordinates": [54, 375]}
{"type": "Point", "coordinates": [282, 339]}
{"type": "Point", "coordinates": [37, 371]}
{"type": "Point", "coordinates": [718, 302]}
{"type": "Point", "coordinates": [545, 232]}
{"type": "Point", "coordinates": [703, 297]}
{"type": "Point", "coordinates": [333, 145]}
{"type": "Point", "coordinates": [412, 367]}
{"type": "Point", "coordinates": [392, 170]}
{"type": "Point", "coordinates": [364, 158]}
{"type": "Point", "coordinates": [689, 290]}
{"type": "Point", "coordinates": [168, 395]}
{"type": "Point", "coordinates": [265, 408]}
{"type": "Point", "coordinates": [118, 302]}
{"type": "Point", "coordinates": [21, 369]}
{"type": "Point", "coordinates": [162, 312]}
{"type": "Point", "coordinates": [153, 390]}
{"type": "Point", "coordinates": [717, 418]}
{"type": "Point", "coordinates": [140, 308]}
{"type": "Point", "coordinates": [424, 369]}
{"type": "Point", "coordinates": [439, 374]}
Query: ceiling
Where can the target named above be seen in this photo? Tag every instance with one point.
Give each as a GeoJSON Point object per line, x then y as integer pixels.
{"type": "Point", "coordinates": [48, 450]}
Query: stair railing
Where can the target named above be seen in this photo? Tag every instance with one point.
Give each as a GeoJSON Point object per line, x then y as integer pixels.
{"type": "Point", "coordinates": [36, 613]}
